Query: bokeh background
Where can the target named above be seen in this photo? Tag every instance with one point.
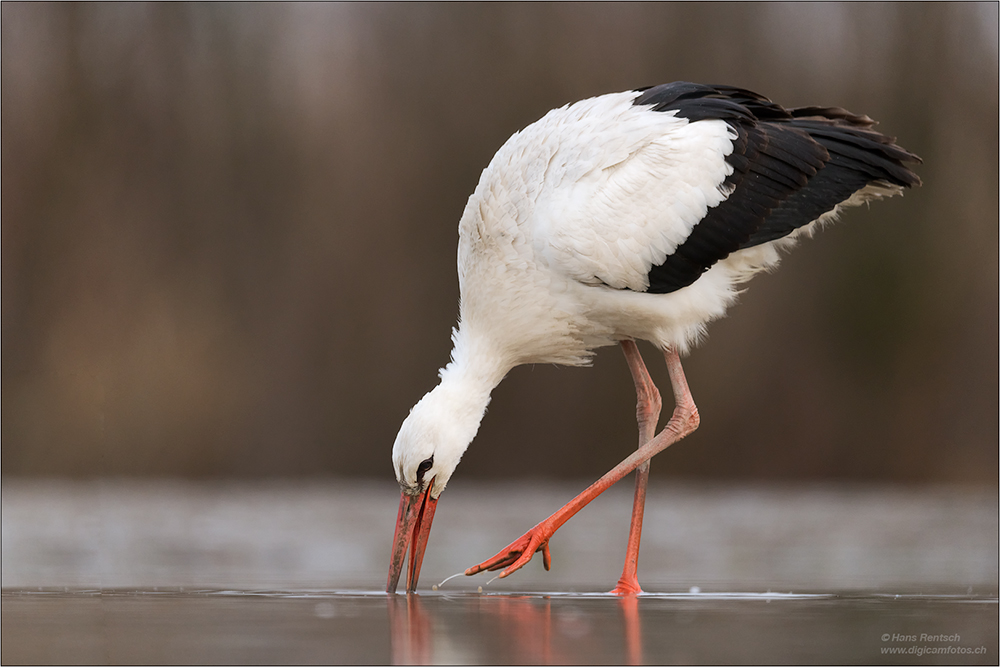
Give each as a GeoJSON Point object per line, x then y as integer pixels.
{"type": "Point", "coordinates": [229, 230]}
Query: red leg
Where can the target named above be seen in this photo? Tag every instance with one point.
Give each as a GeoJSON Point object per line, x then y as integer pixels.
{"type": "Point", "coordinates": [682, 422]}
{"type": "Point", "coordinates": [647, 413]}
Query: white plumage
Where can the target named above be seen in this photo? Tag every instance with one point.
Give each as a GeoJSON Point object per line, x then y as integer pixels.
{"type": "Point", "coordinates": [562, 236]}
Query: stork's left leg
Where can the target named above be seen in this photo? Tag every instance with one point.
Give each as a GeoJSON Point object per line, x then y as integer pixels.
{"type": "Point", "coordinates": [647, 414]}
{"type": "Point", "coordinates": [682, 422]}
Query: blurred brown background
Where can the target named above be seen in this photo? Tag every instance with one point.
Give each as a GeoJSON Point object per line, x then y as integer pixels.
{"type": "Point", "coordinates": [229, 239]}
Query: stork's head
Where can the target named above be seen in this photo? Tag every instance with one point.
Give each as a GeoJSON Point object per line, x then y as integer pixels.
{"type": "Point", "coordinates": [427, 450]}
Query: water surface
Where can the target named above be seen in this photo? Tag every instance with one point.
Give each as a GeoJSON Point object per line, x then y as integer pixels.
{"type": "Point", "coordinates": [369, 627]}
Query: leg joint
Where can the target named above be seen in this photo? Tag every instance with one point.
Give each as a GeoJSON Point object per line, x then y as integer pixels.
{"type": "Point", "coordinates": [685, 419]}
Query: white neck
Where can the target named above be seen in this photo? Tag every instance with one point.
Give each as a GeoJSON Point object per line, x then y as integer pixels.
{"type": "Point", "coordinates": [444, 422]}
{"type": "Point", "coordinates": [468, 380]}
{"type": "Point", "coordinates": [475, 363]}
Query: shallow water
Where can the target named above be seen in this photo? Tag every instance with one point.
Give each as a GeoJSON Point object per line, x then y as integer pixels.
{"type": "Point", "coordinates": [118, 571]}
{"type": "Point", "coordinates": [370, 627]}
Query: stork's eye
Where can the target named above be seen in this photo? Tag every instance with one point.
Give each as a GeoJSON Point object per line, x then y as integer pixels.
{"type": "Point", "coordinates": [422, 469]}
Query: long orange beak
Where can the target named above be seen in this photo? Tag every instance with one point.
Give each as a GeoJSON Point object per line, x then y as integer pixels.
{"type": "Point", "coordinates": [413, 525]}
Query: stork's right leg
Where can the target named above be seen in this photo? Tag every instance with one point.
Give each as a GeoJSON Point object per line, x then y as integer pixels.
{"type": "Point", "coordinates": [647, 414]}
{"type": "Point", "coordinates": [683, 422]}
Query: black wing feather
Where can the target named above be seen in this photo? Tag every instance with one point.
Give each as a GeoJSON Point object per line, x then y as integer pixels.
{"type": "Point", "coordinates": [790, 166]}
{"type": "Point", "coordinates": [858, 157]}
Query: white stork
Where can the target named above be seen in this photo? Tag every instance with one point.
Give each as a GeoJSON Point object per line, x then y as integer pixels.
{"type": "Point", "coordinates": [625, 216]}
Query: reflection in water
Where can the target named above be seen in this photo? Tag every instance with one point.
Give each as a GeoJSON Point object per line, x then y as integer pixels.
{"type": "Point", "coordinates": [633, 630]}
{"type": "Point", "coordinates": [528, 625]}
{"type": "Point", "coordinates": [532, 631]}
{"type": "Point", "coordinates": [410, 631]}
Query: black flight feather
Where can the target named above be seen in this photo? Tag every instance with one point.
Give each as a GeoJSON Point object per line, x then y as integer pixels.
{"type": "Point", "coordinates": [790, 166]}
